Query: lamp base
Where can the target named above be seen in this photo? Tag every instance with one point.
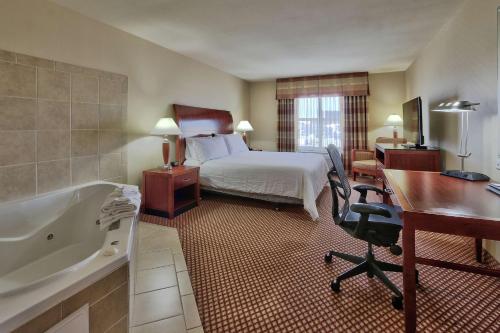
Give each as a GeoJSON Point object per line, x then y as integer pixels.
{"type": "Point", "coordinates": [467, 175]}
{"type": "Point", "coordinates": [166, 154]}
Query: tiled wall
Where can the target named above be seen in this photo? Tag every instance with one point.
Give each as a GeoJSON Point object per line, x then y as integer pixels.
{"type": "Point", "coordinates": [60, 125]}
{"type": "Point", "coordinates": [108, 306]}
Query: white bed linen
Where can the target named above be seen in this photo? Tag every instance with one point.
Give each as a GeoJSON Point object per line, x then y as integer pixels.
{"type": "Point", "coordinates": [296, 175]}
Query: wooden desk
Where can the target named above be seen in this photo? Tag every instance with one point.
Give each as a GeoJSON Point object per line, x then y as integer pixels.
{"type": "Point", "coordinates": [441, 204]}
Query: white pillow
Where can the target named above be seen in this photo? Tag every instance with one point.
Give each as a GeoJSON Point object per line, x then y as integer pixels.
{"type": "Point", "coordinates": [235, 143]}
{"type": "Point", "coordinates": [192, 162]}
{"type": "Point", "coordinates": [207, 148]}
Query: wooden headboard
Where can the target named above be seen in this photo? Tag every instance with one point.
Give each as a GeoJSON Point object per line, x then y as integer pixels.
{"type": "Point", "coordinates": [195, 121]}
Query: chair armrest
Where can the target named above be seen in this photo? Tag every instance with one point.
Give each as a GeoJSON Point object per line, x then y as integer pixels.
{"type": "Point", "coordinates": [367, 209]}
{"type": "Point", "coordinates": [363, 190]}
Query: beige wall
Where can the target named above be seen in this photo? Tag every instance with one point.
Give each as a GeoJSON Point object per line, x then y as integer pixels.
{"type": "Point", "coordinates": [461, 62]}
{"type": "Point", "coordinates": [264, 115]}
{"type": "Point", "coordinates": [157, 77]}
{"type": "Point", "coordinates": [387, 94]}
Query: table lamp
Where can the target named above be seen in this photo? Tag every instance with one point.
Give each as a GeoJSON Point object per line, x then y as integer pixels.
{"type": "Point", "coordinates": [394, 120]}
{"type": "Point", "coordinates": [164, 127]}
{"type": "Point", "coordinates": [464, 108]}
{"type": "Point", "coordinates": [244, 126]}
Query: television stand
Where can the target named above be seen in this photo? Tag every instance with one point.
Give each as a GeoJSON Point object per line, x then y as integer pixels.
{"type": "Point", "coordinates": [405, 157]}
{"type": "Point", "coordinates": [417, 146]}
{"type": "Point", "coordinates": [390, 156]}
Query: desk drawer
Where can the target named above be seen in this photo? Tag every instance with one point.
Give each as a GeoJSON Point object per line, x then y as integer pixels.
{"type": "Point", "coordinates": [185, 180]}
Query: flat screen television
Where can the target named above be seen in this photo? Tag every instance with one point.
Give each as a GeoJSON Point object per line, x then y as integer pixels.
{"type": "Point", "coordinates": [412, 122]}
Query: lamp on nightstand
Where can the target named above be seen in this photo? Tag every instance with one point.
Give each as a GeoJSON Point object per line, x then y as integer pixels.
{"type": "Point", "coordinates": [164, 127]}
{"type": "Point", "coordinates": [394, 120]}
{"type": "Point", "coordinates": [244, 126]}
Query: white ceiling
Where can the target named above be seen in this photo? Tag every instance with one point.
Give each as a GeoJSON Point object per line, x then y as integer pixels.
{"type": "Point", "coordinates": [263, 39]}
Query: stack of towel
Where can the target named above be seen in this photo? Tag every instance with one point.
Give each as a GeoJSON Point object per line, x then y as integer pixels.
{"type": "Point", "coordinates": [118, 205]}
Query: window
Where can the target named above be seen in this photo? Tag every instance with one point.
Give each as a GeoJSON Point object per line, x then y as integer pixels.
{"type": "Point", "coordinates": [319, 123]}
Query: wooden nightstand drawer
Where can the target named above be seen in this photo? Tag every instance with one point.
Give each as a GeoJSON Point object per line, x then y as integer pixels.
{"type": "Point", "coordinates": [185, 180]}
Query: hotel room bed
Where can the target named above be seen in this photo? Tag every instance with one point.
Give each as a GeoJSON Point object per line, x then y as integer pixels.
{"type": "Point", "coordinates": [296, 178]}
{"type": "Point", "coordinates": [272, 176]}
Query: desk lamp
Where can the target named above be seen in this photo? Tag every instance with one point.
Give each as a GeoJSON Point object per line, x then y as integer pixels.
{"type": "Point", "coordinates": [464, 108]}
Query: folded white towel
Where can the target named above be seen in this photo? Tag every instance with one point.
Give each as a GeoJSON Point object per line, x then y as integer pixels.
{"type": "Point", "coordinates": [110, 219]}
{"type": "Point", "coordinates": [109, 210]}
{"type": "Point", "coordinates": [116, 202]}
{"type": "Point", "coordinates": [117, 205]}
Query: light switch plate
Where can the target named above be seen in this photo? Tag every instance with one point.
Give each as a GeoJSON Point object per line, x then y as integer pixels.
{"type": "Point", "coordinates": [498, 162]}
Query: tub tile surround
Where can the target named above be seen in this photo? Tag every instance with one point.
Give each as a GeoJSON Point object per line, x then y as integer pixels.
{"type": "Point", "coordinates": [163, 299]}
{"type": "Point", "coordinates": [108, 306]}
{"type": "Point", "coordinates": [60, 125]}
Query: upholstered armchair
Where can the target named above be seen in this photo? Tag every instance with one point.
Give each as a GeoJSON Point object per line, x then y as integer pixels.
{"type": "Point", "coordinates": [363, 161]}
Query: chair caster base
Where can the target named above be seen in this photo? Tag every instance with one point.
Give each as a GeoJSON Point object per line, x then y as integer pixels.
{"type": "Point", "coordinates": [335, 285]}
{"type": "Point", "coordinates": [397, 302]}
{"type": "Point", "coordinates": [396, 250]}
{"type": "Point", "coordinates": [328, 258]}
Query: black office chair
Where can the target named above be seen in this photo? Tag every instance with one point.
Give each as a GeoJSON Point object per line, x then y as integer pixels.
{"type": "Point", "coordinates": [376, 223]}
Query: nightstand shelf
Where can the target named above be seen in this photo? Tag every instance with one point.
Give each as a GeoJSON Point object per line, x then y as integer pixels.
{"type": "Point", "coordinates": [169, 193]}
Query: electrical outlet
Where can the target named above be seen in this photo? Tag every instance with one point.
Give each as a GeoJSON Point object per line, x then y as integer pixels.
{"type": "Point", "coordinates": [498, 162]}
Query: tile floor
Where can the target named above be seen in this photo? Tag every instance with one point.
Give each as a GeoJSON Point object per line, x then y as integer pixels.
{"type": "Point", "coordinates": [163, 299]}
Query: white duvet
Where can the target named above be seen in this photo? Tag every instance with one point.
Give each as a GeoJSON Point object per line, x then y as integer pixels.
{"type": "Point", "coordinates": [295, 175]}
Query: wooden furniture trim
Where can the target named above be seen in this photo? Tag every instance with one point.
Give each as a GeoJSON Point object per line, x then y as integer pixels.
{"type": "Point", "coordinates": [441, 222]}
{"type": "Point", "coordinates": [198, 121]}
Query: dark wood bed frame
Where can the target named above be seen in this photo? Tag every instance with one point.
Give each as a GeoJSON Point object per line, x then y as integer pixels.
{"type": "Point", "coordinates": [196, 121]}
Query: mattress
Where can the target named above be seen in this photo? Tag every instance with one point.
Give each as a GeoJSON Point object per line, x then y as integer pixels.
{"type": "Point", "coordinates": [293, 175]}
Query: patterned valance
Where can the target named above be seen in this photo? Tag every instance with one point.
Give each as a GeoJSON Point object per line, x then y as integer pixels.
{"type": "Point", "coordinates": [349, 84]}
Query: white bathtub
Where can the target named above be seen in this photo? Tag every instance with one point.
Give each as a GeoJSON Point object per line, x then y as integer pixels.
{"type": "Point", "coordinates": [52, 246]}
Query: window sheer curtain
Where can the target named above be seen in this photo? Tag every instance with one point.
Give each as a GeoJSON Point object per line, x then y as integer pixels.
{"type": "Point", "coordinates": [318, 123]}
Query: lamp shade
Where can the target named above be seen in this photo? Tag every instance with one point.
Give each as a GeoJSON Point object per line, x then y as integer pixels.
{"type": "Point", "coordinates": [166, 126]}
{"type": "Point", "coordinates": [394, 120]}
{"type": "Point", "coordinates": [456, 107]}
{"type": "Point", "coordinates": [244, 126]}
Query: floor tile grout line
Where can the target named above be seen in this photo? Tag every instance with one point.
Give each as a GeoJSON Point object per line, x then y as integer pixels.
{"type": "Point", "coordinates": [155, 321]}
{"type": "Point", "coordinates": [177, 286]}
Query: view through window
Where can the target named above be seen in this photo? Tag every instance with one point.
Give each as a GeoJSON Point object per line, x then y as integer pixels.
{"type": "Point", "coordinates": [319, 123]}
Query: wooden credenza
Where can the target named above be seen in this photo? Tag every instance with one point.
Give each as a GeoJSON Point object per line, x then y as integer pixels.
{"type": "Point", "coordinates": [390, 156]}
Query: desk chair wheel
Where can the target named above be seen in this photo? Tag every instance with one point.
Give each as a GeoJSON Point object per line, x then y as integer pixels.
{"type": "Point", "coordinates": [397, 302]}
{"type": "Point", "coordinates": [328, 258]}
{"type": "Point", "coordinates": [396, 250]}
{"type": "Point", "coordinates": [335, 285]}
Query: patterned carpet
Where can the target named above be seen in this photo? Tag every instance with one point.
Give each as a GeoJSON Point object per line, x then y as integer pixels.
{"type": "Point", "coordinates": [255, 269]}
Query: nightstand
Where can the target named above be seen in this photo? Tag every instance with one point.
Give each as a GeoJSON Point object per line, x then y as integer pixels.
{"type": "Point", "coordinates": [169, 193]}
